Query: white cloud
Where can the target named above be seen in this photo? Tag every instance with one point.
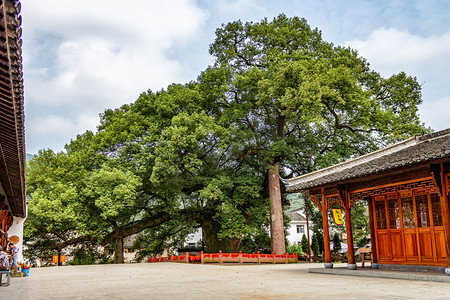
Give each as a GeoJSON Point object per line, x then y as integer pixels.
{"type": "Point", "coordinates": [81, 57]}
{"type": "Point", "coordinates": [57, 130]}
{"type": "Point", "coordinates": [236, 7]}
{"type": "Point", "coordinates": [391, 51]}
{"type": "Point", "coordinates": [436, 113]}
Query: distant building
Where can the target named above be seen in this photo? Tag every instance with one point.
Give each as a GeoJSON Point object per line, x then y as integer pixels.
{"type": "Point", "coordinates": [194, 238]}
{"type": "Point", "coordinates": [297, 228]}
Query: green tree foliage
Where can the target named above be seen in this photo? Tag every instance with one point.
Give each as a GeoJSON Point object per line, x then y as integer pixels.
{"type": "Point", "coordinates": [315, 245]}
{"type": "Point", "coordinates": [199, 154]}
{"type": "Point", "coordinates": [305, 103]}
{"type": "Point", "coordinates": [336, 242]}
{"type": "Point", "coordinates": [304, 244]}
{"type": "Point", "coordinates": [291, 249]}
{"type": "Point", "coordinates": [259, 241]}
{"type": "Point", "coordinates": [54, 212]}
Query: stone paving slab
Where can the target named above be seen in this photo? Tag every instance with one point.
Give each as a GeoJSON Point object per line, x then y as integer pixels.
{"type": "Point", "coordinates": [368, 272]}
{"type": "Point", "coordinates": [212, 281]}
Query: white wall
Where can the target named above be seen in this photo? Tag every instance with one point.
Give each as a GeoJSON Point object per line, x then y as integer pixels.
{"type": "Point", "coordinates": [17, 229]}
{"type": "Point", "coordinates": [193, 238]}
{"type": "Point", "coordinates": [293, 236]}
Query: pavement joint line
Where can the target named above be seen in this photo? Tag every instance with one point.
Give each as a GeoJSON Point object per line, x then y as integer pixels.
{"type": "Point", "coordinates": [383, 274]}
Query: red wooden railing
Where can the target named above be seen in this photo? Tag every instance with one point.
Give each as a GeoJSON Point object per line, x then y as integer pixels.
{"type": "Point", "coordinates": [229, 258]}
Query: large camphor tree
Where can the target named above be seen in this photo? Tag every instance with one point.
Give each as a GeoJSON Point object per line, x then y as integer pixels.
{"type": "Point", "coordinates": [278, 101]}
{"type": "Point", "coordinates": [304, 103]}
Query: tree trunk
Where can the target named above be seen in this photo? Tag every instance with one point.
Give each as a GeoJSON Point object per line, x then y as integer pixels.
{"type": "Point", "coordinates": [118, 250]}
{"type": "Point", "coordinates": [59, 257]}
{"type": "Point", "coordinates": [277, 242]}
{"type": "Point", "coordinates": [211, 229]}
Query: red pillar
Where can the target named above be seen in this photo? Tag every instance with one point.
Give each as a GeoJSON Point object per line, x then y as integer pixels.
{"type": "Point", "coordinates": [445, 215]}
{"type": "Point", "coordinates": [348, 226]}
{"type": "Point", "coordinates": [373, 238]}
{"type": "Point", "coordinates": [307, 228]}
{"type": "Point", "coordinates": [326, 232]}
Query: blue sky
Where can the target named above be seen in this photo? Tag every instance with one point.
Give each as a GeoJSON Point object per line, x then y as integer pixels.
{"type": "Point", "coordinates": [83, 56]}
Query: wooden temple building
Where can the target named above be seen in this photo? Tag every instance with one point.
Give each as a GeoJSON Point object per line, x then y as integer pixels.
{"type": "Point", "coordinates": [12, 138]}
{"type": "Point", "coordinates": [406, 188]}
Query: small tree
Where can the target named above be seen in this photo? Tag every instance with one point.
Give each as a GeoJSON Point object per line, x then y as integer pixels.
{"type": "Point", "coordinates": [295, 249]}
{"type": "Point", "coordinates": [304, 244]}
{"type": "Point", "coordinates": [336, 243]}
{"type": "Point", "coordinates": [321, 242]}
{"type": "Point", "coordinates": [315, 245]}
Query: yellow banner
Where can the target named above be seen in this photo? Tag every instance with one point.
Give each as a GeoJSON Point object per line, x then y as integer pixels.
{"type": "Point", "coordinates": [337, 215]}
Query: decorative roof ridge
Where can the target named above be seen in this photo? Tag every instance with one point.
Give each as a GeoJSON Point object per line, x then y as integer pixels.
{"type": "Point", "coordinates": [431, 136]}
{"type": "Point", "coordinates": [355, 161]}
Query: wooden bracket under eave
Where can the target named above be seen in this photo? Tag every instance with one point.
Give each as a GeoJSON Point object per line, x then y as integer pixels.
{"type": "Point", "coordinates": [316, 201]}
{"type": "Point", "coordinates": [342, 192]}
{"type": "Point", "coordinates": [436, 174]}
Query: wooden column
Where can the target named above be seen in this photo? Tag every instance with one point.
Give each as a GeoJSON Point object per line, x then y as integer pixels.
{"type": "Point", "coordinates": [373, 238]}
{"type": "Point", "coordinates": [307, 228]}
{"type": "Point", "coordinates": [345, 197]}
{"type": "Point", "coordinates": [445, 214]}
{"type": "Point", "coordinates": [326, 232]}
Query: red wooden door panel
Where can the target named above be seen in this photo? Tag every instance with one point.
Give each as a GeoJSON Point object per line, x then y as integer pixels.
{"type": "Point", "coordinates": [384, 246]}
{"type": "Point", "coordinates": [411, 251]}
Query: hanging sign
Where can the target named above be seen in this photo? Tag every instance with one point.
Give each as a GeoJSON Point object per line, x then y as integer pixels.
{"type": "Point", "coordinates": [337, 216]}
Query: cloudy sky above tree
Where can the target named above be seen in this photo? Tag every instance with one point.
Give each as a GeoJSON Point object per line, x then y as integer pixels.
{"type": "Point", "coordinates": [81, 57]}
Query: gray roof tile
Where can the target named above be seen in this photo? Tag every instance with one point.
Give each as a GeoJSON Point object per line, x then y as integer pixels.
{"type": "Point", "coordinates": [415, 150]}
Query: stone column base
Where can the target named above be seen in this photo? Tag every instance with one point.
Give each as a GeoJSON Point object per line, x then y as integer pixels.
{"type": "Point", "coordinates": [328, 266]}
{"type": "Point", "coordinates": [351, 266]}
{"type": "Point", "coordinates": [375, 266]}
{"type": "Point", "coordinates": [447, 271]}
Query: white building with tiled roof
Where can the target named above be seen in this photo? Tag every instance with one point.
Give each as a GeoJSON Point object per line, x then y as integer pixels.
{"type": "Point", "coordinates": [297, 228]}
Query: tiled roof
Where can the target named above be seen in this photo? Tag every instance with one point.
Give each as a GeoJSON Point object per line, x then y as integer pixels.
{"type": "Point", "coordinates": [12, 137]}
{"type": "Point", "coordinates": [415, 150]}
{"type": "Point", "coordinates": [296, 216]}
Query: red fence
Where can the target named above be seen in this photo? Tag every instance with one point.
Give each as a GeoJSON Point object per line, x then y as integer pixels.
{"type": "Point", "coordinates": [229, 258]}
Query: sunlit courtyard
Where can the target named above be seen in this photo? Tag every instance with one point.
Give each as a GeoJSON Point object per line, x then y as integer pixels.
{"type": "Point", "coordinates": [195, 281]}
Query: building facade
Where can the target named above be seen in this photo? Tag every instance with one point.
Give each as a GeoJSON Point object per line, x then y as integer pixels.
{"type": "Point", "coordinates": [406, 188]}
{"type": "Point", "coordinates": [297, 228]}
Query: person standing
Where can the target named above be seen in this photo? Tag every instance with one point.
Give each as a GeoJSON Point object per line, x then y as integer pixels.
{"type": "Point", "coordinates": [4, 261]}
{"type": "Point", "coordinates": [14, 253]}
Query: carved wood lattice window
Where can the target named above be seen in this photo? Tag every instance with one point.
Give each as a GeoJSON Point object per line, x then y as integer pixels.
{"type": "Point", "coordinates": [408, 212]}
{"type": "Point", "coordinates": [380, 212]}
{"type": "Point", "coordinates": [424, 185]}
{"type": "Point", "coordinates": [436, 209]}
{"type": "Point", "coordinates": [394, 214]}
{"type": "Point", "coordinates": [423, 215]}
{"type": "Point", "coordinates": [331, 200]}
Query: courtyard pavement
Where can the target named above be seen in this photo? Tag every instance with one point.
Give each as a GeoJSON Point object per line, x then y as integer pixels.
{"type": "Point", "coordinates": [213, 281]}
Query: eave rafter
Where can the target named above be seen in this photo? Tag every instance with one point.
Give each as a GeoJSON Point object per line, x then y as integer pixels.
{"type": "Point", "coordinates": [12, 133]}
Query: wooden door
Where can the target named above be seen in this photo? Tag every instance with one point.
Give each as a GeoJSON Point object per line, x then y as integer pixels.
{"type": "Point", "coordinates": [409, 228]}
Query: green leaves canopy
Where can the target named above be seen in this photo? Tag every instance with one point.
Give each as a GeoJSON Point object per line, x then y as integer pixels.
{"type": "Point", "coordinates": [197, 154]}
